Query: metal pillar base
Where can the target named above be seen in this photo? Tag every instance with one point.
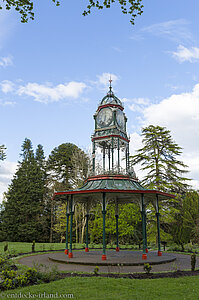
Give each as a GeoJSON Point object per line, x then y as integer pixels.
{"type": "Point", "coordinates": [66, 251]}
{"type": "Point", "coordinates": [70, 255]}
{"type": "Point", "coordinates": [117, 249]}
{"type": "Point", "coordinates": [104, 257]}
{"type": "Point", "coordinates": [159, 253]}
{"type": "Point", "coordinates": [144, 256]}
{"type": "Point", "coordinates": [86, 249]}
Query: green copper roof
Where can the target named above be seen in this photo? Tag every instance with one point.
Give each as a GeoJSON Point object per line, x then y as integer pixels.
{"type": "Point", "coordinates": [123, 187]}
{"type": "Point", "coordinates": [111, 184]}
{"type": "Point", "coordinates": [110, 98]}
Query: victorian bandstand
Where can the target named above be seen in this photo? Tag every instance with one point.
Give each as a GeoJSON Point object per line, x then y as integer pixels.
{"type": "Point", "coordinates": [112, 179]}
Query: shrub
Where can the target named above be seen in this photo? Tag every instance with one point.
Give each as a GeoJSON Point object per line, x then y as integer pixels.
{"type": "Point", "coordinates": [193, 262]}
{"type": "Point", "coordinates": [5, 247]}
{"type": "Point", "coordinates": [33, 246]}
{"type": "Point", "coordinates": [147, 268]}
{"type": "Point", "coordinates": [96, 270]}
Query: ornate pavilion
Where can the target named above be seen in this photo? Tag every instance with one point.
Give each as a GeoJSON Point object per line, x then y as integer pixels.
{"type": "Point", "coordinates": [112, 179]}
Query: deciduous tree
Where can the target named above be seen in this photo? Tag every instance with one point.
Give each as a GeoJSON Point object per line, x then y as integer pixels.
{"type": "Point", "coordinates": [25, 7]}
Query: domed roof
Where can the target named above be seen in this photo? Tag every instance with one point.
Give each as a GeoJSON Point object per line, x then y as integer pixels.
{"type": "Point", "coordinates": [110, 98]}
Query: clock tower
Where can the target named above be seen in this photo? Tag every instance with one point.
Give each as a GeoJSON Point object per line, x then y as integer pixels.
{"type": "Point", "coordinates": [110, 138]}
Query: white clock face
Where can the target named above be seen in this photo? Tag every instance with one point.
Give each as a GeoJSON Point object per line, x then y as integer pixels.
{"type": "Point", "coordinates": [120, 119]}
{"type": "Point", "coordinates": [104, 117]}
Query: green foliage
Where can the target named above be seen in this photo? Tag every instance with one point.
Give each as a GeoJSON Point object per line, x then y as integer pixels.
{"type": "Point", "coordinates": [23, 214]}
{"type": "Point", "coordinates": [147, 268]}
{"type": "Point", "coordinates": [25, 7]}
{"type": "Point", "coordinates": [193, 262]}
{"type": "Point", "coordinates": [33, 246]}
{"type": "Point", "coordinates": [186, 221]}
{"type": "Point", "coordinates": [96, 270]}
{"type": "Point", "coordinates": [5, 247]}
{"type": "Point", "coordinates": [159, 158]}
{"type": "Point", "coordinates": [65, 164]}
{"type": "Point", "coordinates": [11, 278]}
{"type": "Point", "coordinates": [129, 224]}
{"type": "Point", "coordinates": [131, 7]}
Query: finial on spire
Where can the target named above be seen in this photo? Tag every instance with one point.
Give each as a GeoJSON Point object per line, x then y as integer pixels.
{"type": "Point", "coordinates": [110, 80]}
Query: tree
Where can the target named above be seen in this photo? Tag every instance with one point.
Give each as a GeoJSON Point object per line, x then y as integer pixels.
{"type": "Point", "coordinates": [25, 7]}
{"type": "Point", "coordinates": [65, 164]}
{"type": "Point", "coordinates": [129, 224]}
{"type": "Point", "coordinates": [23, 214]}
{"type": "Point", "coordinates": [165, 172]}
{"type": "Point", "coordinates": [132, 7]}
{"type": "Point", "coordinates": [2, 152]}
{"type": "Point", "coordinates": [67, 169]}
{"type": "Point", "coordinates": [159, 157]}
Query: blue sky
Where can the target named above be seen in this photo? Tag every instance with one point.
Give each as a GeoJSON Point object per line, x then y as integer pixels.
{"type": "Point", "coordinates": [55, 69]}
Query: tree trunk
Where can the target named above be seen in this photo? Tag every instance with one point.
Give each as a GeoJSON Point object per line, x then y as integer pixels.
{"type": "Point", "coordinates": [83, 229]}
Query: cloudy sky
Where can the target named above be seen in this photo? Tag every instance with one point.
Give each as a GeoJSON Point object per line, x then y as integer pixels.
{"type": "Point", "coordinates": [55, 70]}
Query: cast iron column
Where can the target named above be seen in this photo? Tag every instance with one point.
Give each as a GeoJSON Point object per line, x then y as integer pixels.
{"type": "Point", "coordinates": [117, 241]}
{"type": "Point", "coordinates": [67, 222]}
{"type": "Point", "coordinates": [118, 152]}
{"type": "Point", "coordinates": [104, 225]}
{"type": "Point", "coordinates": [144, 255]}
{"type": "Point", "coordinates": [104, 158]}
{"type": "Point", "coordinates": [70, 254]}
{"type": "Point", "coordinates": [158, 226]}
{"type": "Point", "coordinates": [145, 232]}
{"type": "Point", "coordinates": [93, 154]}
{"type": "Point", "coordinates": [109, 157]}
{"type": "Point", "coordinates": [112, 146]}
{"type": "Point", "coordinates": [86, 249]}
{"type": "Point", "coordinates": [126, 160]}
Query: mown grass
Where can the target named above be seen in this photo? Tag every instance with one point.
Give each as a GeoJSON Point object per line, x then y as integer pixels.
{"type": "Point", "coordinates": [23, 247]}
{"type": "Point", "coordinates": [109, 289]}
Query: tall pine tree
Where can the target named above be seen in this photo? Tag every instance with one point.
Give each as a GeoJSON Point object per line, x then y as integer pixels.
{"type": "Point", "coordinates": [159, 157]}
{"type": "Point", "coordinates": [23, 213]}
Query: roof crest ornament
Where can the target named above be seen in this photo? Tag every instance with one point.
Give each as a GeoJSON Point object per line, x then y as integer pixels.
{"type": "Point", "coordinates": [110, 87]}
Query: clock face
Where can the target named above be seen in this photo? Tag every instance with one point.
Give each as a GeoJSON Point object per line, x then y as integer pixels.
{"type": "Point", "coordinates": [104, 117]}
{"type": "Point", "coordinates": [120, 119]}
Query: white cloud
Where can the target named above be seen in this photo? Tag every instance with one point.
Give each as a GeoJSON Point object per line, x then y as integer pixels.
{"type": "Point", "coordinates": [45, 93]}
{"type": "Point", "coordinates": [7, 170]}
{"type": "Point", "coordinates": [180, 114]}
{"type": "Point", "coordinates": [186, 54]}
{"type": "Point", "coordinates": [6, 61]}
{"type": "Point", "coordinates": [7, 86]}
{"type": "Point", "coordinates": [136, 104]}
{"type": "Point", "coordinates": [103, 80]}
{"type": "Point", "coordinates": [175, 30]}
{"type": "Point", "coordinates": [7, 103]}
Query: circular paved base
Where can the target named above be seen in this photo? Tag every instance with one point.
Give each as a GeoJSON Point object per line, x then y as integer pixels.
{"type": "Point", "coordinates": [123, 257]}
{"type": "Point", "coordinates": [182, 262]}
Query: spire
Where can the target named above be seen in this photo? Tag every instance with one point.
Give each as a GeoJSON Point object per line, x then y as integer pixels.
{"type": "Point", "coordinates": [110, 87]}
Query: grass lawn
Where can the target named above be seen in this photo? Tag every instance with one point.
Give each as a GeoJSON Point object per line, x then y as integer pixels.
{"type": "Point", "coordinates": [112, 289]}
{"type": "Point", "coordinates": [22, 247]}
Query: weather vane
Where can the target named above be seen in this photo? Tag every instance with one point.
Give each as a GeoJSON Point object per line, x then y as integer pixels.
{"type": "Point", "coordinates": [110, 80]}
